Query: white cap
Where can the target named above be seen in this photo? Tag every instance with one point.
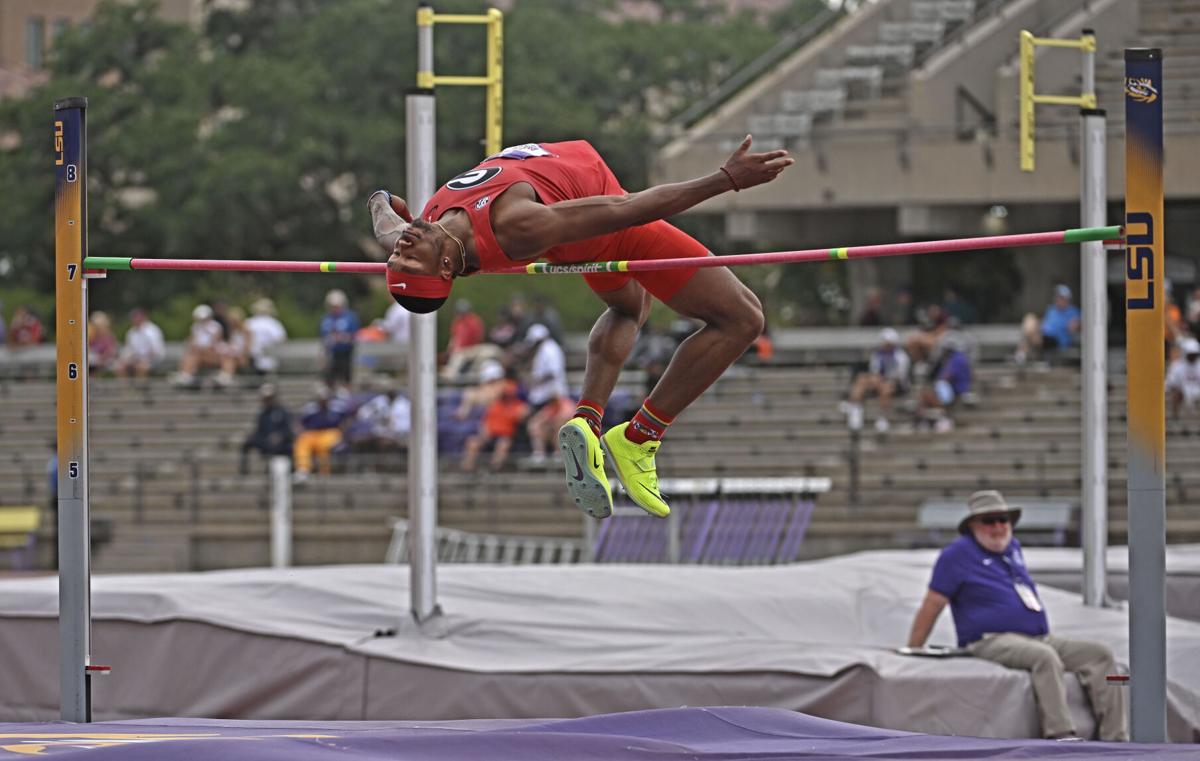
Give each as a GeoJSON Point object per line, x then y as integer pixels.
{"type": "Point", "coordinates": [335, 298]}
{"type": "Point", "coordinates": [1190, 346]}
{"type": "Point", "coordinates": [202, 312]}
{"type": "Point", "coordinates": [537, 332]}
{"type": "Point", "coordinates": [491, 371]}
{"type": "Point", "coordinates": [889, 336]}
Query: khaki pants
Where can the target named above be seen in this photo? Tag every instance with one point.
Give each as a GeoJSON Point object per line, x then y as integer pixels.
{"type": "Point", "coordinates": [316, 443]}
{"type": "Point", "coordinates": [1047, 659]}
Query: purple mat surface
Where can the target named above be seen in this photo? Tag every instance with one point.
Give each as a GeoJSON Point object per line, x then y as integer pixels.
{"type": "Point", "coordinates": [705, 734]}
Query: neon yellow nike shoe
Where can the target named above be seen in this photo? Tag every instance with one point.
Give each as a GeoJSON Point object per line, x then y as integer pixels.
{"type": "Point", "coordinates": [584, 463]}
{"type": "Point", "coordinates": [634, 464]}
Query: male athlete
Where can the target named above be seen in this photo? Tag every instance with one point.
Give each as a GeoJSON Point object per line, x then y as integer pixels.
{"type": "Point", "coordinates": [561, 202]}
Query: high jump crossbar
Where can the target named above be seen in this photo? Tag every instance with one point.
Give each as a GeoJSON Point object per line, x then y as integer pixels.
{"type": "Point", "coordinates": [1113, 234]}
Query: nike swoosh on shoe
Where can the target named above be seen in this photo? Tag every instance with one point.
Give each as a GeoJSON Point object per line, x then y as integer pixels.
{"type": "Point", "coordinates": [578, 468]}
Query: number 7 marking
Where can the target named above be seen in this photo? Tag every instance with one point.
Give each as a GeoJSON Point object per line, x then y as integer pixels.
{"type": "Point", "coordinates": [71, 268]}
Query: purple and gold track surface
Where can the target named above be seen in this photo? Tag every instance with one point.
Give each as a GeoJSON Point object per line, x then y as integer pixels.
{"type": "Point", "coordinates": [728, 734]}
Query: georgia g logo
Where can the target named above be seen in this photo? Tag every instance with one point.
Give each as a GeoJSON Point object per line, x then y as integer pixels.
{"type": "Point", "coordinates": [1141, 89]}
{"type": "Point", "coordinates": [473, 178]}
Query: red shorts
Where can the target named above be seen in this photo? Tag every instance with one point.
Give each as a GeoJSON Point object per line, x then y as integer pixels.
{"type": "Point", "coordinates": [657, 240]}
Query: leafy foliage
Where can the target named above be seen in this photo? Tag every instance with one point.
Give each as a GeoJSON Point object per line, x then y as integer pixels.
{"type": "Point", "coordinates": [260, 133]}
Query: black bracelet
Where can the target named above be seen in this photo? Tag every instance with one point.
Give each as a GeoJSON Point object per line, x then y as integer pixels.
{"type": "Point", "coordinates": [732, 181]}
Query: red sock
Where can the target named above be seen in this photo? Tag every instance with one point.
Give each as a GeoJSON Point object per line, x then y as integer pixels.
{"type": "Point", "coordinates": [647, 425]}
{"type": "Point", "coordinates": [591, 413]}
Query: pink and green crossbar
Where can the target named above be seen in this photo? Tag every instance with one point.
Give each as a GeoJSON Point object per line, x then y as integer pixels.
{"type": "Point", "coordinates": [1112, 234]}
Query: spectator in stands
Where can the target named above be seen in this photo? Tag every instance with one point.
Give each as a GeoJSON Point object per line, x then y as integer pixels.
{"type": "Point", "coordinates": [652, 353]}
{"type": "Point", "coordinates": [489, 389]}
{"type": "Point", "coordinates": [144, 348]}
{"type": "Point", "coordinates": [763, 348]}
{"type": "Point", "coordinates": [396, 323]}
{"type": "Point", "coordinates": [958, 311]}
{"type": "Point", "coordinates": [265, 334]}
{"type": "Point", "coordinates": [1174, 328]}
{"type": "Point", "coordinates": [872, 312]}
{"type": "Point", "coordinates": [1191, 315]}
{"type": "Point", "coordinates": [547, 368]}
{"type": "Point", "coordinates": [511, 323]}
{"type": "Point", "coordinates": [999, 617]}
{"type": "Point", "coordinates": [321, 422]}
{"type": "Point", "coordinates": [543, 426]}
{"type": "Point", "coordinates": [338, 327]}
{"type": "Point", "coordinates": [25, 330]}
{"type": "Point", "coordinates": [103, 347]}
{"type": "Point", "coordinates": [499, 426]}
{"type": "Point", "coordinates": [886, 376]}
{"type": "Point", "coordinates": [922, 345]}
{"type": "Point", "coordinates": [1183, 378]}
{"type": "Point", "coordinates": [466, 347]}
{"type": "Point", "coordinates": [3, 326]}
{"type": "Point", "coordinates": [235, 349]}
{"type": "Point", "coordinates": [951, 379]}
{"type": "Point", "coordinates": [273, 434]}
{"type": "Point", "coordinates": [544, 313]}
{"type": "Point", "coordinates": [1058, 328]}
{"type": "Point", "coordinates": [905, 312]}
{"type": "Point", "coordinates": [203, 346]}
{"type": "Point", "coordinates": [381, 424]}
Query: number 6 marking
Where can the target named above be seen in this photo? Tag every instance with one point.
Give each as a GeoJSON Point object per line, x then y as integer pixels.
{"type": "Point", "coordinates": [72, 371]}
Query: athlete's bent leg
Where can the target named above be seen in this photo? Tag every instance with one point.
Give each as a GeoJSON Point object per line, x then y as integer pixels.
{"type": "Point", "coordinates": [733, 319]}
{"type": "Point", "coordinates": [612, 339]}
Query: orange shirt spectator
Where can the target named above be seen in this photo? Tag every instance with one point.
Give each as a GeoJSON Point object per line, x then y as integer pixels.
{"type": "Point", "coordinates": [501, 418]}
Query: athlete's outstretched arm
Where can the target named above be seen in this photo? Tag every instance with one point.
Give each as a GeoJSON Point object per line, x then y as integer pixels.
{"type": "Point", "coordinates": [531, 228]}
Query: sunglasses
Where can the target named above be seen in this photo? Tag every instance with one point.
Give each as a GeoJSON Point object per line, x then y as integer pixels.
{"type": "Point", "coordinates": [992, 520]}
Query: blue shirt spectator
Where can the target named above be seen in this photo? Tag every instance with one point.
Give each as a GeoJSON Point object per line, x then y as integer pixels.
{"type": "Point", "coordinates": [956, 370]}
{"type": "Point", "coordinates": [338, 327]}
{"type": "Point", "coordinates": [325, 413]}
{"type": "Point", "coordinates": [1061, 321]}
{"type": "Point", "coordinates": [981, 587]}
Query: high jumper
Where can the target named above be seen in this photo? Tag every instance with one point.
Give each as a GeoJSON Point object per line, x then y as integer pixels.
{"type": "Point", "coordinates": [561, 202]}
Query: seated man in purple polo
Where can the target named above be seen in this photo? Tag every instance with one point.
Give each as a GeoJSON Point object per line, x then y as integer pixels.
{"type": "Point", "coordinates": [999, 617]}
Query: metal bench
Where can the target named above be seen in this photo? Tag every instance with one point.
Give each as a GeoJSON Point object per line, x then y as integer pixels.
{"type": "Point", "coordinates": [454, 546]}
{"type": "Point", "coordinates": [713, 521]}
{"type": "Point", "coordinates": [1043, 521]}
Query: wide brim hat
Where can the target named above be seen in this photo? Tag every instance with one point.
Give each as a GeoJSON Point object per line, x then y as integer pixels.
{"type": "Point", "coordinates": [987, 502]}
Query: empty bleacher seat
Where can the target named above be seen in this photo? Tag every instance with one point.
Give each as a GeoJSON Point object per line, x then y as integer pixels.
{"type": "Point", "coordinates": [1043, 521]}
{"type": "Point", "coordinates": [826, 101]}
{"type": "Point", "coordinates": [900, 55]}
{"type": "Point", "coordinates": [780, 125]}
{"type": "Point", "coordinates": [916, 32]}
{"type": "Point", "coordinates": [864, 81]}
{"type": "Point", "coordinates": [943, 10]}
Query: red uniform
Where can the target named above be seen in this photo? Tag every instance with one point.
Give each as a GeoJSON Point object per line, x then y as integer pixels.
{"type": "Point", "coordinates": [561, 172]}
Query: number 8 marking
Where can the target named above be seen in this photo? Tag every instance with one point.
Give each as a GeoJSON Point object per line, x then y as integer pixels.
{"type": "Point", "coordinates": [72, 173]}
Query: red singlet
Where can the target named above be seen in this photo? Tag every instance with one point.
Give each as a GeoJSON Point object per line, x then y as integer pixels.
{"type": "Point", "coordinates": [561, 172]}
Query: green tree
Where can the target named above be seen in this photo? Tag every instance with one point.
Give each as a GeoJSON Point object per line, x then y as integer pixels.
{"type": "Point", "coordinates": [260, 134]}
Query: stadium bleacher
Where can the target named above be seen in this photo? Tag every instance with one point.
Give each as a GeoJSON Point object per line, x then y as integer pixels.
{"type": "Point", "coordinates": [164, 465]}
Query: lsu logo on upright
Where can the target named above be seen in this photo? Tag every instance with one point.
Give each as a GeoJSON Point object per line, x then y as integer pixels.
{"type": "Point", "coordinates": [1141, 89]}
{"type": "Point", "coordinates": [1139, 257]}
{"type": "Point", "coordinates": [60, 156]}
